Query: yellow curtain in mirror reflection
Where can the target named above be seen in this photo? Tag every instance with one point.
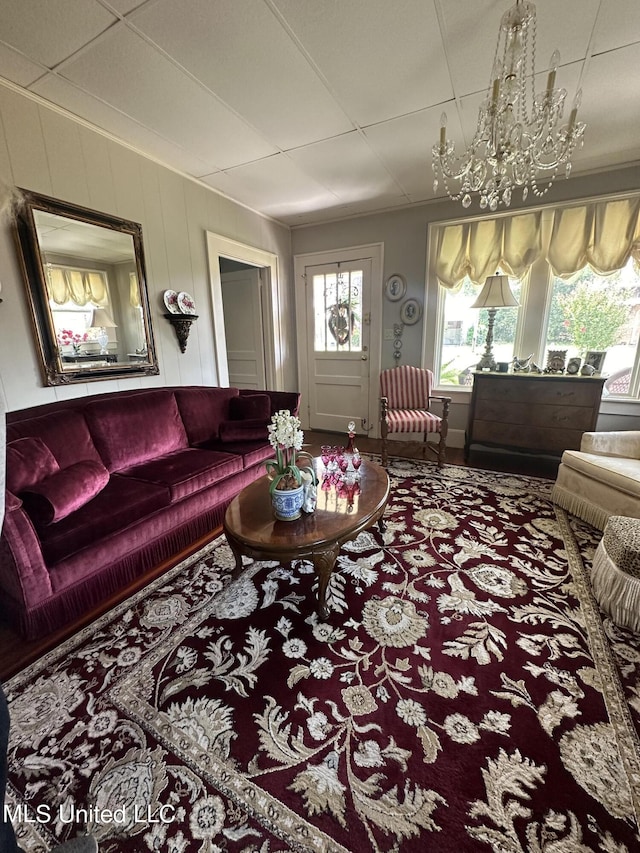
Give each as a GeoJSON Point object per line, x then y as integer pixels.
{"type": "Point", "coordinates": [77, 285]}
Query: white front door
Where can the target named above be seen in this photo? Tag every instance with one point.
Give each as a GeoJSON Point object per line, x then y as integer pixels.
{"type": "Point", "coordinates": [241, 298]}
{"type": "Point", "coordinates": [338, 317]}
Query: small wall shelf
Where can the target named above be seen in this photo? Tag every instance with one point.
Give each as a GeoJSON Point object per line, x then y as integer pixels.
{"type": "Point", "coordinates": [182, 326]}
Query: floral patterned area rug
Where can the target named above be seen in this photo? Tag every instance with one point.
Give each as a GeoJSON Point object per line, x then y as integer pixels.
{"type": "Point", "coordinates": [465, 695]}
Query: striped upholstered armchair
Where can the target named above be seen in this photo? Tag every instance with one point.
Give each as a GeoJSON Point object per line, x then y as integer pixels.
{"type": "Point", "coordinates": [404, 407]}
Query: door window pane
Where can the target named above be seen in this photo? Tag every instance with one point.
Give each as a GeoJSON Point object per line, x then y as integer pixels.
{"type": "Point", "coordinates": [465, 332]}
{"type": "Point", "coordinates": [337, 308]}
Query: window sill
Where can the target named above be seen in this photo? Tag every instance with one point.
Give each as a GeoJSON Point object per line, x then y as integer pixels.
{"type": "Point", "coordinates": [619, 406]}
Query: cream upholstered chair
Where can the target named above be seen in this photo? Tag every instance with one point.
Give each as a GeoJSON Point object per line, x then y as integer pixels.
{"type": "Point", "coordinates": [404, 407]}
{"type": "Point", "coordinates": [602, 478]}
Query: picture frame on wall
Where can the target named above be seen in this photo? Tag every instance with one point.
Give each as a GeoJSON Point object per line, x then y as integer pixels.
{"type": "Point", "coordinates": [395, 287]}
{"type": "Point", "coordinates": [596, 359]}
{"type": "Point", "coordinates": [410, 311]}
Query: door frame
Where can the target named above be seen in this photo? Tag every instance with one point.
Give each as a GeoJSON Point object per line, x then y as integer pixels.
{"type": "Point", "coordinates": [375, 253]}
{"type": "Point", "coordinates": [217, 247]}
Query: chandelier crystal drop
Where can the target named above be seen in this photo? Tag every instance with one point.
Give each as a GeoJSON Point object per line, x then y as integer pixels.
{"type": "Point", "coordinates": [519, 141]}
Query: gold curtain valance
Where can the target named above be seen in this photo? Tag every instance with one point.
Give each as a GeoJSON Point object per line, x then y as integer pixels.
{"type": "Point", "coordinates": [78, 286]}
{"type": "Point", "coordinates": [477, 249]}
{"type": "Point", "coordinates": [603, 236]}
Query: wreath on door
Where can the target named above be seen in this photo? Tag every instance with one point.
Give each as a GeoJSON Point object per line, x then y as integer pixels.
{"type": "Point", "coordinates": [341, 322]}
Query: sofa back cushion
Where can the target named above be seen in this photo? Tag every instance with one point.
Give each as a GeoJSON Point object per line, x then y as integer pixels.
{"type": "Point", "coordinates": [131, 430]}
{"type": "Point", "coordinates": [55, 497]}
{"type": "Point", "coordinates": [29, 460]}
{"type": "Point", "coordinates": [65, 433]}
{"type": "Point", "coordinates": [203, 410]}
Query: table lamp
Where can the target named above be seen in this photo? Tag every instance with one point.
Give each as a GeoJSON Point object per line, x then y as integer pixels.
{"type": "Point", "coordinates": [101, 322]}
{"type": "Point", "coordinates": [496, 293]}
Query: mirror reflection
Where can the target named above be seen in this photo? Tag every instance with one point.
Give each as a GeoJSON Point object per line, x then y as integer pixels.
{"type": "Point", "coordinates": [85, 276]}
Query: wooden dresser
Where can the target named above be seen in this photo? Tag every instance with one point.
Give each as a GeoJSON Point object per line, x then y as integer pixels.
{"type": "Point", "coordinates": [537, 413]}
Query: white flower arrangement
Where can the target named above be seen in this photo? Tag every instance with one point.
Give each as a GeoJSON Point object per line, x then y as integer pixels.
{"type": "Point", "coordinates": [286, 437]}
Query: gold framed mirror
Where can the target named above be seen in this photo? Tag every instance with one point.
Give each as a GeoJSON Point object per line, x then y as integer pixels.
{"type": "Point", "coordinates": [85, 277]}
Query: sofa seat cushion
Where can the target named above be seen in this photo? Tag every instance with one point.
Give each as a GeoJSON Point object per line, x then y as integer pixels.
{"type": "Point", "coordinates": [615, 471]}
{"type": "Point", "coordinates": [202, 410]}
{"type": "Point", "coordinates": [65, 491]}
{"type": "Point", "coordinates": [128, 431]}
{"type": "Point", "coordinates": [187, 471]}
{"type": "Point", "coordinates": [122, 502]}
{"type": "Point", "coordinates": [29, 461]}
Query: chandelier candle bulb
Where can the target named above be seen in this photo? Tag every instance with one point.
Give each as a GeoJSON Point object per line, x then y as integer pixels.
{"type": "Point", "coordinates": [553, 65]}
{"type": "Point", "coordinates": [443, 132]}
{"type": "Point", "coordinates": [496, 91]}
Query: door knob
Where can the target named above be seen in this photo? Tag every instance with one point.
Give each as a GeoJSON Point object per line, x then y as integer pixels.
{"type": "Point", "coordinates": [365, 358]}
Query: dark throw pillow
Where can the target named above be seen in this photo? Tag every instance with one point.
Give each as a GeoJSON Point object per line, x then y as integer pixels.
{"type": "Point", "coordinates": [250, 407]}
{"type": "Point", "coordinates": [247, 430]}
{"type": "Point", "coordinates": [62, 493]}
{"type": "Point", "coordinates": [29, 460]}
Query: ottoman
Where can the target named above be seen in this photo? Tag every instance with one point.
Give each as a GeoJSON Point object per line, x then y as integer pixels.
{"type": "Point", "coordinates": [615, 574]}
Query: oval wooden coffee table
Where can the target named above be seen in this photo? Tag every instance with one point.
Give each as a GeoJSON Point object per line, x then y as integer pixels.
{"type": "Point", "coordinates": [252, 530]}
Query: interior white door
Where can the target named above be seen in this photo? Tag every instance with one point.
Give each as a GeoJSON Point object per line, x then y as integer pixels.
{"type": "Point", "coordinates": [242, 303]}
{"type": "Point", "coordinates": [338, 319]}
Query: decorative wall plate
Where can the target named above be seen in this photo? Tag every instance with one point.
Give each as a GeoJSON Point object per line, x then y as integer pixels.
{"type": "Point", "coordinates": [170, 298]}
{"type": "Point", "coordinates": [410, 311]}
{"type": "Point", "coordinates": [186, 303]}
{"type": "Point", "coordinates": [395, 287]}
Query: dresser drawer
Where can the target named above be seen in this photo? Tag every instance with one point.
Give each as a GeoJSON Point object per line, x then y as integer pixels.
{"type": "Point", "coordinates": [559, 416]}
{"type": "Point", "coordinates": [573, 392]}
{"type": "Point", "coordinates": [522, 437]}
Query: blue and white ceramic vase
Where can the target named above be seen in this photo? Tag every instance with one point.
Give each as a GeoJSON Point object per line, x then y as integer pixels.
{"type": "Point", "coordinates": [287, 503]}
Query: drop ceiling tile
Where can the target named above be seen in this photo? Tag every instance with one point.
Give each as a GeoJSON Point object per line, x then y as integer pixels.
{"type": "Point", "coordinates": [129, 74]}
{"type": "Point", "coordinates": [48, 32]}
{"type": "Point", "coordinates": [563, 26]}
{"type": "Point", "coordinates": [346, 166]}
{"type": "Point", "coordinates": [18, 69]}
{"type": "Point", "coordinates": [404, 144]}
{"type": "Point", "coordinates": [618, 25]}
{"type": "Point", "coordinates": [126, 6]}
{"type": "Point", "coordinates": [274, 185]}
{"type": "Point", "coordinates": [60, 92]}
{"type": "Point", "coordinates": [606, 109]}
{"type": "Point", "coordinates": [264, 76]}
{"type": "Point", "coordinates": [382, 59]}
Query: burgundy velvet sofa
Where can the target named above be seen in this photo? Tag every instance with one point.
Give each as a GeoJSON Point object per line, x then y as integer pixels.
{"type": "Point", "coordinates": [103, 488]}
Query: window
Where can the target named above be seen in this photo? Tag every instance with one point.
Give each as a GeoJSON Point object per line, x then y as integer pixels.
{"type": "Point", "coordinates": [465, 331]}
{"type": "Point", "coordinates": [595, 313]}
{"type": "Point", "coordinates": [575, 272]}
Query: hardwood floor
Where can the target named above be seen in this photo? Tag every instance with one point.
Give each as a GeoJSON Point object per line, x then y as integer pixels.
{"type": "Point", "coordinates": [16, 653]}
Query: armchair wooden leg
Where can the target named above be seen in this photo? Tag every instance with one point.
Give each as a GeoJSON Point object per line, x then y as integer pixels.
{"type": "Point", "coordinates": [442, 451]}
{"type": "Point", "coordinates": [385, 457]}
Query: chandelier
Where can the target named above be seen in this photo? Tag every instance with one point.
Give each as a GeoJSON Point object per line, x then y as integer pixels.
{"type": "Point", "coordinates": [518, 142]}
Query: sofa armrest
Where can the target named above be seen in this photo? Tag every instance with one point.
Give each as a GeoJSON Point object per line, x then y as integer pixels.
{"type": "Point", "coordinates": [24, 576]}
{"type": "Point", "coordinates": [625, 443]}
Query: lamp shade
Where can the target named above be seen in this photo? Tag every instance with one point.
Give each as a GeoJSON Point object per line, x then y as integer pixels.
{"type": "Point", "coordinates": [102, 319]}
{"type": "Point", "coordinates": [496, 293]}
